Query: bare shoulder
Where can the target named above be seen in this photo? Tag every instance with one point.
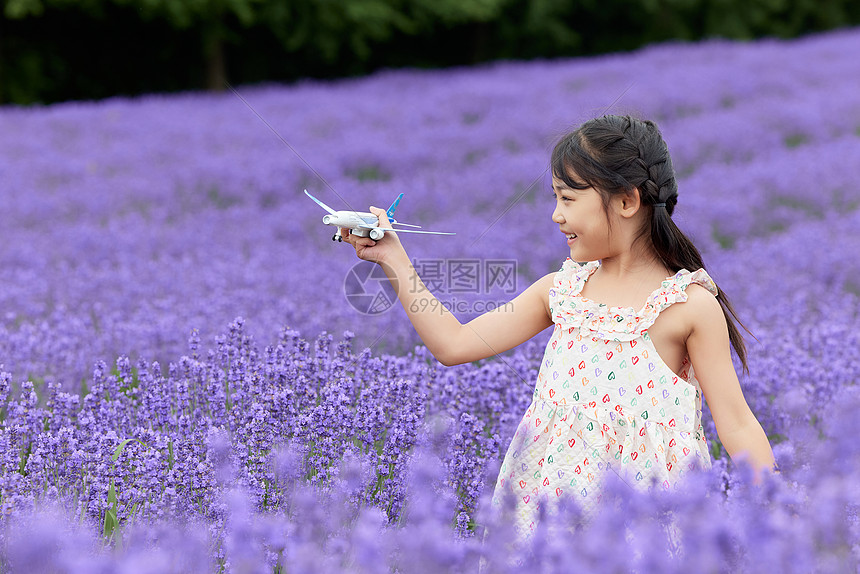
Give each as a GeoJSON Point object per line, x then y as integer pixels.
{"type": "Point", "coordinates": [703, 309]}
{"type": "Point", "coordinates": [543, 284]}
{"type": "Point", "coordinates": [541, 287]}
{"type": "Point", "coordinates": [546, 281]}
{"type": "Point", "coordinates": [700, 298]}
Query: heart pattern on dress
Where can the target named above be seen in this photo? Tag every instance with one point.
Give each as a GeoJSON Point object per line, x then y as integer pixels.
{"type": "Point", "coordinates": [627, 412]}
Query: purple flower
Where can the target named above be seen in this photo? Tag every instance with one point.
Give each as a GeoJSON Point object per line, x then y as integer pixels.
{"type": "Point", "coordinates": [167, 236]}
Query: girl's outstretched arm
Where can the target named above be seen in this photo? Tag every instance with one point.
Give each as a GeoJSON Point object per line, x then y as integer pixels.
{"type": "Point", "coordinates": [450, 341]}
{"type": "Point", "coordinates": [710, 353]}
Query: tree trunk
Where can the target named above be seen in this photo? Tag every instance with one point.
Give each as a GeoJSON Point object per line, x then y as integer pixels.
{"type": "Point", "coordinates": [216, 65]}
{"type": "Point", "coordinates": [480, 41]}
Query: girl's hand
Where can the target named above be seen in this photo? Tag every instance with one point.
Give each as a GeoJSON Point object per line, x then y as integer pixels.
{"type": "Point", "coordinates": [375, 251]}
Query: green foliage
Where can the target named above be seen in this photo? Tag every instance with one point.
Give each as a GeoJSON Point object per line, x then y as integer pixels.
{"type": "Point", "coordinates": [23, 8]}
{"type": "Point", "coordinates": [17, 9]}
{"type": "Point", "coordinates": [184, 14]}
{"type": "Point", "coordinates": [111, 521]}
{"type": "Point", "coordinates": [56, 49]}
{"type": "Point", "coordinates": [337, 30]}
{"type": "Point", "coordinates": [784, 18]}
{"type": "Point", "coordinates": [369, 173]}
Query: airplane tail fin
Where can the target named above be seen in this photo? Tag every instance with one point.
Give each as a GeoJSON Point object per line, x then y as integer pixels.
{"type": "Point", "coordinates": [390, 211]}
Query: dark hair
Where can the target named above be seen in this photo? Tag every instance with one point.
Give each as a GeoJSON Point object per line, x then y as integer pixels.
{"type": "Point", "coordinates": [614, 154]}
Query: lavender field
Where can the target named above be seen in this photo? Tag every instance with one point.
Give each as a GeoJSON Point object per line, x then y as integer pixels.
{"type": "Point", "coordinates": [186, 388]}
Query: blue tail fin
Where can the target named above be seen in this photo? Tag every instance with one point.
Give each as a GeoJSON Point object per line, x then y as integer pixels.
{"type": "Point", "coordinates": [390, 211]}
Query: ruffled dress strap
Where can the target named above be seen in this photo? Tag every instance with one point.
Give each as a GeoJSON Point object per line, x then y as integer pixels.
{"type": "Point", "coordinates": [574, 312]}
{"type": "Point", "coordinates": [571, 278]}
{"type": "Point", "coordinates": [674, 290]}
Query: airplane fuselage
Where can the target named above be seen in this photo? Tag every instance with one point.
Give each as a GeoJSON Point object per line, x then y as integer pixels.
{"type": "Point", "coordinates": [364, 224]}
{"type": "Point", "coordinates": [357, 223]}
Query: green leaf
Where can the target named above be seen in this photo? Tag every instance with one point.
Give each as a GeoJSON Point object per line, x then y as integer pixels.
{"type": "Point", "coordinates": [119, 450]}
{"type": "Point", "coordinates": [121, 446]}
{"type": "Point", "coordinates": [111, 523]}
{"type": "Point", "coordinates": [112, 495]}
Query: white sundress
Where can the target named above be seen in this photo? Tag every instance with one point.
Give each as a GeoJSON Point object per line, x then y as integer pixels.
{"type": "Point", "coordinates": [604, 402]}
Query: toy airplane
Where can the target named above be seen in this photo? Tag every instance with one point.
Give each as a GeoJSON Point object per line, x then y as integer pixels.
{"type": "Point", "coordinates": [366, 224]}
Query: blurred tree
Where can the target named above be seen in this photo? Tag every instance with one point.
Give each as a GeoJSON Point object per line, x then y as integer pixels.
{"type": "Point", "coordinates": [337, 30]}
{"type": "Point", "coordinates": [27, 68]}
{"type": "Point", "coordinates": [333, 31]}
{"type": "Point", "coordinates": [784, 18]}
{"type": "Point", "coordinates": [59, 49]}
{"type": "Point", "coordinates": [213, 20]}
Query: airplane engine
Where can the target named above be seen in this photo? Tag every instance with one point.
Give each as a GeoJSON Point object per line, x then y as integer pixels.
{"type": "Point", "coordinates": [376, 234]}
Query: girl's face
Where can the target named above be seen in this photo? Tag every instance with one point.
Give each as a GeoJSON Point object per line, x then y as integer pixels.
{"type": "Point", "coordinates": [581, 217]}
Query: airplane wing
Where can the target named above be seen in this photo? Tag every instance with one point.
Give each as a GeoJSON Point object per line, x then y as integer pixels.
{"type": "Point", "coordinates": [407, 230]}
{"type": "Point", "coordinates": [405, 224]}
{"type": "Point", "coordinates": [320, 203]}
{"type": "Point", "coordinates": [416, 231]}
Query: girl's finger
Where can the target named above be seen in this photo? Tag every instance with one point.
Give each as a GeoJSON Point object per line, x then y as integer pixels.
{"type": "Point", "coordinates": [381, 214]}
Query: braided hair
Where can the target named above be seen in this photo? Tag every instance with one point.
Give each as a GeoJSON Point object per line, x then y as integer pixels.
{"type": "Point", "coordinates": [614, 154]}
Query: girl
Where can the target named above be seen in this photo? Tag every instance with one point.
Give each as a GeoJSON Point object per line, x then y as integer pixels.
{"type": "Point", "coordinates": [622, 378]}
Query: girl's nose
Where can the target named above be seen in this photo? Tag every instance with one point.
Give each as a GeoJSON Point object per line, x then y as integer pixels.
{"type": "Point", "coordinates": [557, 216]}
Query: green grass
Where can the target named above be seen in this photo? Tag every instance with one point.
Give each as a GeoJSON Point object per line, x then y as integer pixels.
{"type": "Point", "coordinates": [795, 140]}
{"type": "Point", "coordinates": [369, 173]}
{"type": "Point", "coordinates": [474, 157]}
{"type": "Point", "coordinates": [219, 200]}
{"type": "Point", "coordinates": [807, 207]}
{"type": "Point", "coordinates": [724, 240]}
{"type": "Point", "coordinates": [470, 118]}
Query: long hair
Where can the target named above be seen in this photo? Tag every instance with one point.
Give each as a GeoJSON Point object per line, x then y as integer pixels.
{"type": "Point", "coordinates": [614, 154]}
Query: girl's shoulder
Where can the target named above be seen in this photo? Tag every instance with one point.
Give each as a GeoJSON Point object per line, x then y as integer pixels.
{"type": "Point", "coordinates": [678, 288]}
{"type": "Point", "coordinates": [701, 304]}
{"type": "Point", "coordinates": [684, 278]}
{"type": "Point", "coordinates": [573, 275]}
{"type": "Point", "coordinates": [568, 307]}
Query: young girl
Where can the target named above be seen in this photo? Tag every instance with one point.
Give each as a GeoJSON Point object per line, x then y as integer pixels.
{"type": "Point", "coordinates": [622, 378]}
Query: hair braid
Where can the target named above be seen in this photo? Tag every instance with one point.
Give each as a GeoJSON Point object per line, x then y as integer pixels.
{"type": "Point", "coordinates": [614, 154]}
{"type": "Point", "coordinates": [657, 180]}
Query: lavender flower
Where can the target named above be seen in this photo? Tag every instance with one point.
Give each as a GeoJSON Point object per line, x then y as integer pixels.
{"type": "Point", "coordinates": [149, 374]}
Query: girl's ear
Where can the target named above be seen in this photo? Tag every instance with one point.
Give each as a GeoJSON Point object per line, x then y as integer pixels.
{"type": "Point", "coordinates": [628, 203]}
